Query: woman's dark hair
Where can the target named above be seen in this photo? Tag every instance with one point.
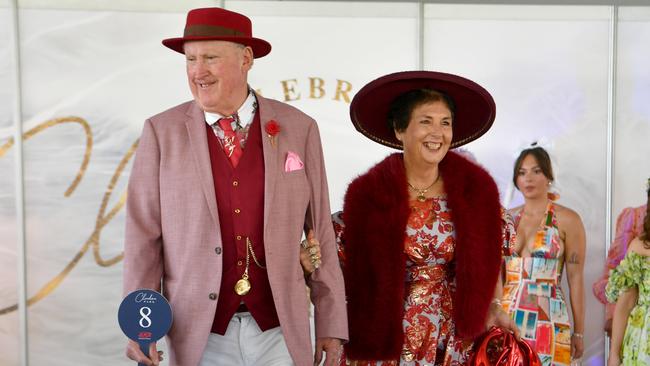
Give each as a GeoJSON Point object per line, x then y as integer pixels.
{"type": "Point", "coordinates": [402, 107]}
{"type": "Point", "coordinates": [645, 236]}
{"type": "Point", "coordinates": [542, 158]}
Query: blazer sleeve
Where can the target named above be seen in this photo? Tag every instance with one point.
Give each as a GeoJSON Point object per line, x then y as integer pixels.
{"type": "Point", "coordinates": [326, 283]}
{"type": "Point", "coordinates": [143, 254]}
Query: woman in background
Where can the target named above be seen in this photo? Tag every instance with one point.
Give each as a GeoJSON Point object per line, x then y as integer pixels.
{"type": "Point", "coordinates": [548, 236]}
{"type": "Point", "coordinates": [629, 287]}
{"type": "Point", "coordinates": [629, 225]}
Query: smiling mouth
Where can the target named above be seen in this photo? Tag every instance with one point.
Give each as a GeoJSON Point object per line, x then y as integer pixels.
{"type": "Point", "coordinates": [204, 85]}
{"type": "Point", "coordinates": [433, 145]}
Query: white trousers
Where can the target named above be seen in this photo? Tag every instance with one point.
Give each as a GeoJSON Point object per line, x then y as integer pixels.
{"type": "Point", "coordinates": [244, 344]}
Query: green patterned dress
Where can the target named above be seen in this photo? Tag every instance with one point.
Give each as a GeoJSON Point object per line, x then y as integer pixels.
{"type": "Point", "coordinates": [633, 271]}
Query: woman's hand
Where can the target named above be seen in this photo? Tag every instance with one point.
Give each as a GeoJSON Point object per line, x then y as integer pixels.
{"type": "Point", "coordinates": [499, 318]}
{"type": "Point", "coordinates": [310, 254]}
{"type": "Point", "coordinates": [577, 346]}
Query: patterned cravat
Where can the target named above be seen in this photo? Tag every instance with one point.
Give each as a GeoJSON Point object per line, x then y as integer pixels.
{"type": "Point", "coordinates": [231, 143]}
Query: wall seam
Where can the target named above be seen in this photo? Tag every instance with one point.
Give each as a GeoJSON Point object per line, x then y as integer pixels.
{"type": "Point", "coordinates": [19, 191]}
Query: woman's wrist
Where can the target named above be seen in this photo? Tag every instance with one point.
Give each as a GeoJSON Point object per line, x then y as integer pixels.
{"type": "Point", "coordinates": [496, 306]}
{"type": "Point", "coordinates": [578, 335]}
{"type": "Point", "coordinates": [496, 301]}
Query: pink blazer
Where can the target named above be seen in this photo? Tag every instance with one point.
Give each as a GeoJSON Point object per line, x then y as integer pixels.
{"type": "Point", "coordinates": [173, 237]}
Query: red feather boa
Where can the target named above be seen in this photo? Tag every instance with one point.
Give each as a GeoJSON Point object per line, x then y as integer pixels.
{"type": "Point", "coordinates": [376, 212]}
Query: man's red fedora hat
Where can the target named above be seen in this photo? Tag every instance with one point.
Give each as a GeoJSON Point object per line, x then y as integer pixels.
{"type": "Point", "coordinates": [474, 115]}
{"type": "Point", "coordinates": [218, 24]}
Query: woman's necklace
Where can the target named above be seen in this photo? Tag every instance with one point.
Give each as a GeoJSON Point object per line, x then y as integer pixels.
{"type": "Point", "coordinates": [420, 192]}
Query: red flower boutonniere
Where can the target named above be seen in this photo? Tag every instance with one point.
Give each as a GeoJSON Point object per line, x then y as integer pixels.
{"type": "Point", "coordinates": [272, 128]}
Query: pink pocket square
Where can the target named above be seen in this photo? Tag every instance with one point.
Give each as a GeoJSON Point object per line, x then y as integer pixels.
{"type": "Point", "coordinates": [293, 162]}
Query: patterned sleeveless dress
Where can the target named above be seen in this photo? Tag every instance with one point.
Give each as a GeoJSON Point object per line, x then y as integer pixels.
{"type": "Point", "coordinates": [429, 330]}
{"type": "Point", "coordinates": [533, 296]}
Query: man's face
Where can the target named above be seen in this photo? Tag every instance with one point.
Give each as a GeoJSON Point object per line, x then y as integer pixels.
{"type": "Point", "coordinates": [217, 73]}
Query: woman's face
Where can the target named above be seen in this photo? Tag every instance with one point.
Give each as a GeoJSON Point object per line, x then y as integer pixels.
{"type": "Point", "coordinates": [428, 136]}
{"type": "Point", "coordinates": [531, 180]}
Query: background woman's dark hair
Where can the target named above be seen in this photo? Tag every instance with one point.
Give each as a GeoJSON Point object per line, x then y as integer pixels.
{"type": "Point", "coordinates": [542, 158]}
{"type": "Point", "coordinates": [645, 237]}
{"type": "Point", "coordinates": [401, 108]}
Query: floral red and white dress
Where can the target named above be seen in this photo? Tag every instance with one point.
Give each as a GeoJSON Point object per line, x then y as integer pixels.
{"type": "Point", "coordinates": [429, 332]}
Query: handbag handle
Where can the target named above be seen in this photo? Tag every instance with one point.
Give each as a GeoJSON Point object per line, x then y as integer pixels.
{"type": "Point", "coordinates": [511, 352]}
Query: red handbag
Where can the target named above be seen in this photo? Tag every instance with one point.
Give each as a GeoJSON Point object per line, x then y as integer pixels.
{"type": "Point", "coordinates": [500, 348]}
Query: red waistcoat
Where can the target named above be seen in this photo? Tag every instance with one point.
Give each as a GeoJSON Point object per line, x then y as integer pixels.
{"type": "Point", "coordinates": [240, 200]}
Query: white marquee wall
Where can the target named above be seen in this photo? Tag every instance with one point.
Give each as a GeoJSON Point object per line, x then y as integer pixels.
{"type": "Point", "coordinates": [632, 165]}
{"type": "Point", "coordinates": [99, 72]}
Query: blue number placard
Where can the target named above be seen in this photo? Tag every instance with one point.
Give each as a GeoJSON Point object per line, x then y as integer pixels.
{"type": "Point", "coordinates": [145, 316]}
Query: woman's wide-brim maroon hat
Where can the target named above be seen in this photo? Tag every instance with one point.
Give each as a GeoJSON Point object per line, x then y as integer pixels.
{"type": "Point", "coordinates": [474, 115]}
{"type": "Point", "coordinates": [217, 24]}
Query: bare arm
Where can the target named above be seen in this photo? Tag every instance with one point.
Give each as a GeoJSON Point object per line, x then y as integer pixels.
{"type": "Point", "coordinates": [624, 306]}
{"type": "Point", "coordinates": [575, 258]}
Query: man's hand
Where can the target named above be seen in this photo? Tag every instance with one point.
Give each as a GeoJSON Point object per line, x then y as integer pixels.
{"type": "Point", "coordinates": [133, 352]}
{"type": "Point", "coordinates": [332, 348]}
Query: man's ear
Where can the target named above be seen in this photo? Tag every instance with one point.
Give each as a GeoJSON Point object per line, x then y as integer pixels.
{"type": "Point", "coordinates": [248, 58]}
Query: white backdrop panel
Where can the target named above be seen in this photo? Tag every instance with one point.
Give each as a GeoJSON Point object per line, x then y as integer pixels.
{"type": "Point", "coordinates": [106, 70]}
{"type": "Point", "coordinates": [632, 150]}
{"type": "Point", "coordinates": [9, 346]}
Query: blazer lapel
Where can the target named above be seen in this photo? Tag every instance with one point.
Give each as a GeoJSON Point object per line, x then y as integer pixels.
{"type": "Point", "coordinates": [198, 143]}
{"type": "Point", "coordinates": [271, 156]}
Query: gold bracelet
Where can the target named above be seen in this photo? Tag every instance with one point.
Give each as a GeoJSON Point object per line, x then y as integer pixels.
{"type": "Point", "coordinates": [578, 335]}
{"type": "Point", "coordinates": [497, 302]}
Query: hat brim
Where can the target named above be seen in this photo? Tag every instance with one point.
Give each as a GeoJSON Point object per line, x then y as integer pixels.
{"type": "Point", "coordinates": [260, 47]}
{"type": "Point", "coordinates": [474, 115]}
